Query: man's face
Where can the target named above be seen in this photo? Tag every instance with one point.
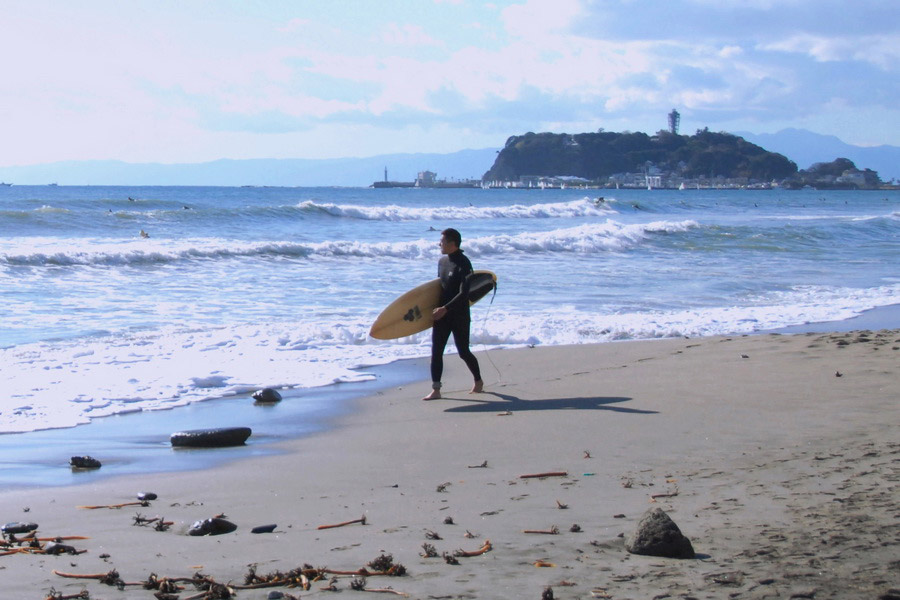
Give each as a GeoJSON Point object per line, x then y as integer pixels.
{"type": "Point", "coordinates": [447, 246]}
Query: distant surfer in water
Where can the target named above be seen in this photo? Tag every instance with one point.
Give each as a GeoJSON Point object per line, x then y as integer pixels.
{"type": "Point", "coordinates": [452, 315]}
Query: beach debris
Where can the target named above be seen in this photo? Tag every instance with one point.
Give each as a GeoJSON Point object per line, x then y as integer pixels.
{"type": "Point", "coordinates": [267, 396]}
{"type": "Point", "coordinates": [576, 528]}
{"type": "Point", "coordinates": [483, 465]}
{"type": "Point", "coordinates": [485, 548]}
{"type": "Point", "coordinates": [442, 488]}
{"type": "Point", "coordinates": [264, 528]}
{"type": "Point", "coordinates": [109, 578]}
{"type": "Point", "coordinates": [432, 535]}
{"type": "Point", "coordinates": [450, 559]}
{"type": "Point", "coordinates": [54, 595]}
{"type": "Point", "coordinates": [361, 521]}
{"type": "Point", "coordinates": [657, 535]}
{"type": "Point", "coordinates": [671, 494]}
{"type": "Point", "coordinates": [143, 503]}
{"type": "Point", "coordinates": [84, 462]}
{"type": "Point", "coordinates": [543, 475]}
{"type": "Point", "coordinates": [213, 526]}
{"type": "Point", "coordinates": [548, 594]}
{"type": "Point", "coordinates": [587, 454]}
{"type": "Point", "coordinates": [146, 496]}
{"type": "Point", "coordinates": [300, 577]}
{"type": "Point", "coordinates": [543, 564]}
{"type": "Point", "coordinates": [561, 506]}
{"type": "Point", "coordinates": [552, 531]}
{"type": "Point", "coordinates": [428, 551]}
{"type": "Point", "coordinates": [160, 524]}
{"type": "Point", "coordinates": [448, 521]}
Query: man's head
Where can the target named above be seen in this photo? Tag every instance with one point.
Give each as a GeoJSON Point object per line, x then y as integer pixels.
{"type": "Point", "coordinates": [450, 241]}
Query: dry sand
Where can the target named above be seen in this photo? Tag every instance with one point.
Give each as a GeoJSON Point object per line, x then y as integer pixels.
{"type": "Point", "coordinates": [783, 474]}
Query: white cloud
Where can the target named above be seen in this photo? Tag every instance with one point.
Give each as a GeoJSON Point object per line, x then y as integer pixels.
{"type": "Point", "coordinates": [111, 84]}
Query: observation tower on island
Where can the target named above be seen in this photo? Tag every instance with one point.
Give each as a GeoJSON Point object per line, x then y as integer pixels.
{"type": "Point", "coordinates": [674, 121]}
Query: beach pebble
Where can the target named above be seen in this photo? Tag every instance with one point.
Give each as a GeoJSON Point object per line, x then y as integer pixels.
{"type": "Point", "coordinates": [657, 535]}
{"type": "Point", "coordinates": [19, 527]}
{"type": "Point", "coordinates": [264, 529]}
{"type": "Point", "coordinates": [84, 462]}
{"type": "Point", "coordinates": [267, 395]}
{"type": "Point", "coordinates": [213, 526]}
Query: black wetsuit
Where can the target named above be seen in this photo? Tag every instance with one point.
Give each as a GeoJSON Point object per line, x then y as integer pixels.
{"type": "Point", "coordinates": [454, 271]}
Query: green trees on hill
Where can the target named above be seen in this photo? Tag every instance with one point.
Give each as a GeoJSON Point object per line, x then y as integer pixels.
{"type": "Point", "coordinates": [596, 156]}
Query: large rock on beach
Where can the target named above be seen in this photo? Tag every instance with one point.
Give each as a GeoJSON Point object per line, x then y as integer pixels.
{"type": "Point", "coordinates": [213, 526]}
{"type": "Point", "coordinates": [84, 462]}
{"type": "Point", "coordinates": [658, 535]}
{"type": "Point", "coordinates": [267, 396]}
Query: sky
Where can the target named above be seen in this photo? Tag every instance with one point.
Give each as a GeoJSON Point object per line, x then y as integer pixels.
{"type": "Point", "coordinates": [183, 81]}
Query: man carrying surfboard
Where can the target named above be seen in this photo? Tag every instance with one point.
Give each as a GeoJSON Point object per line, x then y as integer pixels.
{"type": "Point", "coordinates": [452, 314]}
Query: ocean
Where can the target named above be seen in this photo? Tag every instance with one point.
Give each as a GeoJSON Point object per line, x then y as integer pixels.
{"type": "Point", "coordinates": [236, 289]}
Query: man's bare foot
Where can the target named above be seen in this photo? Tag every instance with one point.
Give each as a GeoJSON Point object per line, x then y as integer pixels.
{"type": "Point", "coordinates": [434, 395]}
{"type": "Point", "coordinates": [478, 387]}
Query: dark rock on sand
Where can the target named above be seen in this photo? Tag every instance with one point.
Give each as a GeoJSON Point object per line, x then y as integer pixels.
{"type": "Point", "coordinates": [267, 396]}
{"type": "Point", "coordinates": [264, 529]}
{"type": "Point", "coordinates": [146, 496]}
{"type": "Point", "coordinates": [211, 438]}
{"type": "Point", "coordinates": [84, 462]}
{"type": "Point", "coordinates": [14, 528]}
{"type": "Point", "coordinates": [658, 535]}
{"type": "Point", "coordinates": [213, 526]}
{"type": "Point", "coordinates": [57, 548]}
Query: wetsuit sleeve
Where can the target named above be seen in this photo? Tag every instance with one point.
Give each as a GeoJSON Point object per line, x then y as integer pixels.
{"type": "Point", "coordinates": [461, 299]}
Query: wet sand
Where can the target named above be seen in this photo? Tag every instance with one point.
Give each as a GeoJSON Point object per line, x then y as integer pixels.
{"type": "Point", "coordinates": [777, 455]}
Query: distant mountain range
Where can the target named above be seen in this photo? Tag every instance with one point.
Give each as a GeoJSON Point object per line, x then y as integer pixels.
{"type": "Point", "coordinates": [805, 148]}
{"type": "Point", "coordinates": [345, 172]}
{"type": "Point", "coordinates": [801, 146]}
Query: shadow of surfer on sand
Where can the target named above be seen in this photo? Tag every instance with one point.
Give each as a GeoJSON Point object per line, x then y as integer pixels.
{"type": "Point", "coordinates": [510, 403]}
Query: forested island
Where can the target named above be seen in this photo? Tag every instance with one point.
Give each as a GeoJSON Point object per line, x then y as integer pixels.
{"type": "Point", "coordinates": [666, 159]}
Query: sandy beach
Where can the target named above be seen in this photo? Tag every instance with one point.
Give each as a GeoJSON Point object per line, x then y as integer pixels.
{"type": "Point", "coordinates": [776, 455]}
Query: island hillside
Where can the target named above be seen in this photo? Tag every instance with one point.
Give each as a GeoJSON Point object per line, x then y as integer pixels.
{"type": "Point", "coordinates": [602, 155]}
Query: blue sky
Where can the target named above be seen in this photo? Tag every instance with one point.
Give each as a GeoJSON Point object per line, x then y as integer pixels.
{"type": "Point", "coordinates": [191, 81]}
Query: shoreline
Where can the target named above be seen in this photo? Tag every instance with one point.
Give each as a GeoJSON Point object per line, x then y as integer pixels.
{"type": "Point", "coordinates": [136, 443]}
{"type": "Point", "coordinates": [783, 475]}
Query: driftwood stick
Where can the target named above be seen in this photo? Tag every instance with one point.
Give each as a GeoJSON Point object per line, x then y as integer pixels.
{"type": "Point", "coordinates": [361, 520]}
{"type": "Point", "coordinates": [665, 495]}
{"type": "Point", "coordinates": [143, 503]}
{"type": "Point", "coordinates": [385, 591]}
{"type": "Point", "coordinates": [362, 572]}
{"type": "Point", "coordinates": [552, 531]}
{"type": "Point", "coordinates": [547, 474]}
{"type": "Point", "coordinates": [487, 547]}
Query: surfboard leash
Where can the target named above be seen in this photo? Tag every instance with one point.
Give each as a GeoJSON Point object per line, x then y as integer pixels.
{"type": "Point", "coordinates": [484, 327]}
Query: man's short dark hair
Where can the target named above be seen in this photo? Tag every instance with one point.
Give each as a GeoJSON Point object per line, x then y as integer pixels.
{"type": "Point", "coordinates": [453, 236]}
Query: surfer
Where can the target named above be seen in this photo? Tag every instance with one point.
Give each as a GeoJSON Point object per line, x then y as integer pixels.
{"type": "Point", "coordinates": [452, 315]}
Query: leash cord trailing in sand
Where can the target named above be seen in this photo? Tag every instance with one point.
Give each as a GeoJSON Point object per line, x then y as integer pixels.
{"type": "Point", "coordinates": [484, 328]}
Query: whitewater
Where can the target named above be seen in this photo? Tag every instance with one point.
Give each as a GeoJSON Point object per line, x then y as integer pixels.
{"type": "Point", "coordinates": [236, 289]}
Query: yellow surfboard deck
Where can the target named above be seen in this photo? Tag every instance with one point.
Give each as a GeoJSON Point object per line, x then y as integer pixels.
{"type": "Point", "coordinates": [411, 312]}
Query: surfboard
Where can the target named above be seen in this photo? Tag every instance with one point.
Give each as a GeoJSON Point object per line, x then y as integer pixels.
{"type": "Point", "coordinates": [411, 312]}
